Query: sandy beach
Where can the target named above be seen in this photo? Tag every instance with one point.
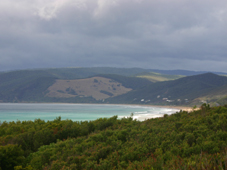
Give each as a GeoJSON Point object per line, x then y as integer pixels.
{"type": "Point", "coordinates": [141, 114]}
{"type": "Point", "coordinates": [144, 116]}
{"type": "Point", "coordinates": [174, 109]}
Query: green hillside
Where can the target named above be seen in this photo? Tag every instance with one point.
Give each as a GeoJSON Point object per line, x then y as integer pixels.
{"type": "Point", "coordinates": [195, 140]}
{"type": "Point", "coordinates": [216, 96]}
{"type": "Point", "coordinates": [175, 91]}
{"type": "Point", "coordinates": [69, 73]}
{"type": "Point", "coordinates": [221, 100]}
{"type": "Point", "coordinates": [24, 85]}
{"type": "Point", "coordinates": [32, 85]}
{"type": "Point", "coordinates": [77, 73]}
{"type": "Point", "coordinates": [129, 82]}
{"type": "Point", "coordinates": [156, 77]}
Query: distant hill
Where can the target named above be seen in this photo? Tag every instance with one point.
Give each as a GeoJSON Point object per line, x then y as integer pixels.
{"type": "Point", "coordinates": [20, 85]}
{"type": "Point", "coordinates": [156, 77]}
{"type": "Point", "coordinates": [115, 85]}
{"type": "Point", "coordinates": [78, 73]}
{"type": "Point", "coordinates": [69, 73]}
{"type": "Point", "coordinates": [53, 85]}
{"type": "Point", "coordinates": [217, 96]}
{"type": "Point", "coordinates": [85, 72]}
{"type": "Point", "coordinates": [97, 87]}
{"type": "Point", "coordinates": [183, 72]}
{"type": "Point", "coordinates": [178, 91]}
{"type": "Point", "coordinates": [129, 82]}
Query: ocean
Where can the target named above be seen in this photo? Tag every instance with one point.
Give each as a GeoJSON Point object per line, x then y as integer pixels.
{"type": "Point", "coordinates": [77, 112]}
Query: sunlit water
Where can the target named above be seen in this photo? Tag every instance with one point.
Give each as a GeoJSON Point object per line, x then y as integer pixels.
{"type": "Point", "coordinates": [76, 112]}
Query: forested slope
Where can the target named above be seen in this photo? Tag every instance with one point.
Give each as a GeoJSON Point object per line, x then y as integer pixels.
{"type": "Point", "coordinates": [190, 88]}
{"type": "Point", "coordinates": [24, 85]}
{"type": "Point", "coordinates": [196, 140]}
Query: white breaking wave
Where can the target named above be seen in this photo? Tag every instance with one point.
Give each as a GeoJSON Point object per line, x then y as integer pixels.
{"type": "Point", "coordinates": [152, 113]}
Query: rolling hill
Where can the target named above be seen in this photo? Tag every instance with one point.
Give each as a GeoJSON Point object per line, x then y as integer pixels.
{"type": "Point", "coordinates": [53, 85]}
{"type": "Point", "coordinates": [180, 91]}
{"type": "Point", "coordinates": [110, 85]}
{"type": "Point", "coordinates": [156, 77]}
{"type": "Point", "coordinates": [98, 87]}
{"type": "Point", "coordinates": [215, 97]}
{"type": "Point", "coordinates": [20, 85]}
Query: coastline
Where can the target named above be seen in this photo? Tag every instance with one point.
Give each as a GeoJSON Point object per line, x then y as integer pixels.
{"type": "Point", "coordinates": [183, 108]}
{"type": "Point", "coordinates": [143, 117]}
{"type": "Point", "coordinates": [139, 116]}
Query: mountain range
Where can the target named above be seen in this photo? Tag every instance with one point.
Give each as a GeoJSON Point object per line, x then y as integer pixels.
{"type": "Point", "coordinates": [113, 85]}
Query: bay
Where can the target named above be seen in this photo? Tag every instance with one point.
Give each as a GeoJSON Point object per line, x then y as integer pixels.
{"type": "Point", "coordinates": [77, 112]}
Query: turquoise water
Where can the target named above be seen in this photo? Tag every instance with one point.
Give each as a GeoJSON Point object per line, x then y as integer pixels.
{"type": "Point", "coordinates": [76, 112]}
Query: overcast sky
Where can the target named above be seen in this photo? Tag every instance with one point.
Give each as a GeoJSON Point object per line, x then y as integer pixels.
{"type": "Point", "coordinates": [155, 34]}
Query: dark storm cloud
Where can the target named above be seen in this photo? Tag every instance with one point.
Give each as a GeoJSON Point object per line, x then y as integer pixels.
{"type": "Point", "coordinates": [165, 34]}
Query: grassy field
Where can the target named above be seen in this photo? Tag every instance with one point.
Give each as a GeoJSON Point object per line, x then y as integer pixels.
{"type": "Point", "coordinates": [97, 87]}
{"type": "Point", "coordinates": [155, 77]}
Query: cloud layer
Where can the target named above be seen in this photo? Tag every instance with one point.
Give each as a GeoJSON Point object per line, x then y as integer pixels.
{"type": "Point", "coordinates": [164, 34]}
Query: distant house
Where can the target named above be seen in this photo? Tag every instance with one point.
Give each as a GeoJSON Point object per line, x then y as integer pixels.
{"type": "Point", "coordinates": [204, 101]}
{"type": "Point", "coordinates": [170, 101]}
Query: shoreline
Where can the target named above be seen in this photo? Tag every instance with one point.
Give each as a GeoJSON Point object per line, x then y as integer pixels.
{"type": "Point", "coordinates": [143, 117]}
{"type": "Point", "coordinates": [140, 117]}
{"type": "Point", "coordinates": [183, 108]}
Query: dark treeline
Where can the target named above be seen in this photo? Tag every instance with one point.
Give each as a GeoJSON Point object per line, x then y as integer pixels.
{"type": "Point", "coordinates": [195, 140]}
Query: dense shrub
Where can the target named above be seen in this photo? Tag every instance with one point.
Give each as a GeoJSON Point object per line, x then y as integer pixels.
{"type": "Point", "coordinates": [195, 140]}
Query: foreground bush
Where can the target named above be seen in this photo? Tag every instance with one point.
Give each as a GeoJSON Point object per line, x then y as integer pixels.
{"type": "Point", "coordinates": [195, 140]}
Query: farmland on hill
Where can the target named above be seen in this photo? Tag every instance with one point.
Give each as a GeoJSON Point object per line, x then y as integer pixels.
{"type": "Point", "coordinates": [98, 87]}
{"type": "Point", "coordinates": [156, 77]}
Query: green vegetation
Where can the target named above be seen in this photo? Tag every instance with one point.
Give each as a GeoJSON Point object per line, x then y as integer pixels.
{"type": "Point", "coordinates": [156, 77]}
{"type": "Point", "coordinates": [222, 101]}
{"type": "Point", "coordinates": [217, 96]}
{"type": "Point", "coordinates": [78, 73]}
{"type": "Point", "coordinates": [195, 140]}
{"type": "Point", "coordinates": [177, 91]}
{"type": "Point", "coordinates": [128, 82]}
{"type": "Point", "coordinates": [24, 86]}
{"type": "Point", "coordinates": [32, 86]}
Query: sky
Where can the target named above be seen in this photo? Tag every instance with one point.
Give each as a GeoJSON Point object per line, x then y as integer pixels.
{"type": "Point", "coordinates": [153, 34]}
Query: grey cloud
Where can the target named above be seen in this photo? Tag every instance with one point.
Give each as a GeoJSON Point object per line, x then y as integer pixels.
{"type": "Point", "coordinates": [161, 34]}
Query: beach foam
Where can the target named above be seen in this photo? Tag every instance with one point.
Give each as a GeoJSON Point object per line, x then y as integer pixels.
{"type": "Point", "coordinates": [152, 113]}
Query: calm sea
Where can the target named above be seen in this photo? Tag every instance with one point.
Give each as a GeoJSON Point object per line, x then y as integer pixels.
{"type": "Point", "coordinates": [76, 112]}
